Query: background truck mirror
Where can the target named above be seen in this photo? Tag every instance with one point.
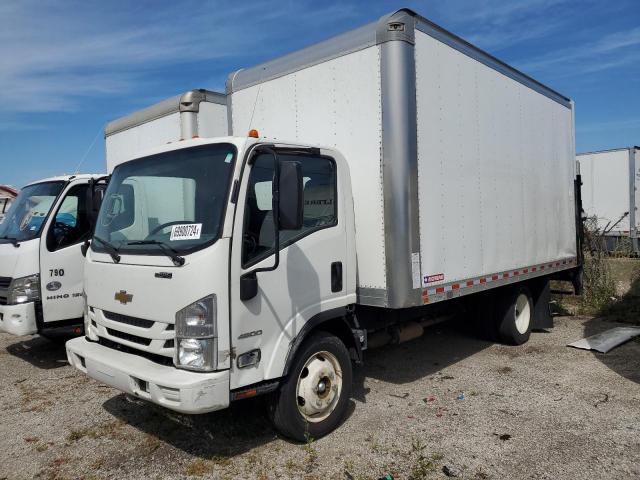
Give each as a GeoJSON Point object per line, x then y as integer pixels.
{"type": "Point", "coordinates": [95, 195]}
{"type": "Point", "coordinates": [291, 204]}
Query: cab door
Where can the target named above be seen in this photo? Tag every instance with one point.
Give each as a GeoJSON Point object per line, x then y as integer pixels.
{"type": "Point", "coordinates": [309, 277]}
{"type": "Point", "coordinates": [61, 259]}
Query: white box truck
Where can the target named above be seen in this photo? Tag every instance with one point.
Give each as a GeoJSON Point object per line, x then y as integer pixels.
{"type": "Point", "coordinates": [611, 179]}
{"type": "Point", "coordinates": [397, 174]}
{"type": "Point", "coordinates": [41, 262]}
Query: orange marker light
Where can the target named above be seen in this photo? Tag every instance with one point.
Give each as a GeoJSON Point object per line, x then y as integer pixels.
{"type": "Point", "coordinates": [246, 394]}
{"type": "Point", "coordinates": [253, 133]}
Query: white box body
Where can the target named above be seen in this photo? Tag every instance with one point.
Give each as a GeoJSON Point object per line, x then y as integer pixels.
{"type": "Point", "coordinates": [198, 113]}
{"type": "Point", "coordinates": [462, 167]}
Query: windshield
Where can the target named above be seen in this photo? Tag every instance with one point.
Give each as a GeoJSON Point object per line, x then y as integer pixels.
{"type": "Point", "coordinates": [29, 210]}
{"type": "Point", "coordinates": [174, 198]}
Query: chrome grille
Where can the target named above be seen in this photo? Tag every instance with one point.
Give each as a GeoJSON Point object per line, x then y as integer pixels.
{"type": "Point", "coordinates": [136, 322]}
{"type": "Point", "coordinates": [129, 337]}
{"type": "Point", "coordinates": [155, 339]}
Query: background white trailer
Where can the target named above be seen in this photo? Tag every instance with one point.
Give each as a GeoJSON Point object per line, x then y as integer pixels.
{"type": "Point", "coordinates": [610, 180]}
{"type": "Point", "coordinates": [196, 113]}
{"type": "Point", "coordinates": [463, 168]}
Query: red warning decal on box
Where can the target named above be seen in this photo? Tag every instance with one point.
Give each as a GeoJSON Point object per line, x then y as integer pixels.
{"type": "Point", "coordinates": [438, 277]}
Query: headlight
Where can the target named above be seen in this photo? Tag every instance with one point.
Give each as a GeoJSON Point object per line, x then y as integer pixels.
{"type": "Point", "coordinates": [196, 353]}
{"type": "Point", "coordinates": [196, 335]}
{"type": "Point", "coordinates": [23, 290]}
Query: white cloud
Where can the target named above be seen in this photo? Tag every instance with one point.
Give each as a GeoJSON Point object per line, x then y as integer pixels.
{"type": "Point", "coordinates": [55, 54]}
{"type": "Point", "coordinates": [614, 50]}
{"type": "Point", "coordinates": [499, 24]}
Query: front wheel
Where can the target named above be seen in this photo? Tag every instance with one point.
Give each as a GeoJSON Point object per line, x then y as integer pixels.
{"type": "Point", "coordinates": [313, 399]}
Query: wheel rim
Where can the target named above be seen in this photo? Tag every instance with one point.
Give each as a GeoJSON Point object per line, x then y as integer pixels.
{"type": "Point", "coordinates": [319, 387]}
{"type": "Point", "coordinates": [523, 313]}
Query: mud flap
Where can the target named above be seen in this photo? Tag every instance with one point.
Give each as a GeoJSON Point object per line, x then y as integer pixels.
{"type": "Point", "coordinates": [541, 293]}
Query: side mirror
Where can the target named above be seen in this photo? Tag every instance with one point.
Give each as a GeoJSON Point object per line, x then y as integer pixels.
{"type": "Point", "coordinates": [291, 198]}
{"type": "Point", "coordinates": [248, 286]}
{"type": "Point", "coordinates": [95, 195]}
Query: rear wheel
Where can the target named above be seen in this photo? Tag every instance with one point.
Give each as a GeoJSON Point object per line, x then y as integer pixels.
{"type": "Point", "coordinates": [313, 399]}
{"type": "Point", "coordinates": [516, 316]}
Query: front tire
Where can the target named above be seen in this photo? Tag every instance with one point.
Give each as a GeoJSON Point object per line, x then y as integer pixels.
{"type": "Point", "coordinates": [516, 316]}
{"type": "Point", "coordinates": [313, 399]}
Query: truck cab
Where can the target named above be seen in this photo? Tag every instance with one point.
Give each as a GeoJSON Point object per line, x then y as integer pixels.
{"type": "Point", "coordinates": [209, 258]}
{"type": "Point", "coordinates": [41, 263]}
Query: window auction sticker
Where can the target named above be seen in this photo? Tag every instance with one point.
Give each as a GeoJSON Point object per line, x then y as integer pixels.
{"type": "Point", "coordinates": [187, 231]}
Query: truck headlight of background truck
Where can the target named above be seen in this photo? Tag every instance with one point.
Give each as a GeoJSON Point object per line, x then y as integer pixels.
{"type": "Point", "coordinates": [196, 342]}
{"type": "Point", "coordinates": [23, 290]}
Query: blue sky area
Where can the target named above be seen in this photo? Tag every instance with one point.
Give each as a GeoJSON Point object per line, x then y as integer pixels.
{"type": "Point", "coordinates": [68, 67]}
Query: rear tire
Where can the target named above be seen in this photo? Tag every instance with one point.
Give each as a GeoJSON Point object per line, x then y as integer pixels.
{"type": "Point", "coordinates": [313, 399]}
{"type": "Point", "coordinates": [516, 316]}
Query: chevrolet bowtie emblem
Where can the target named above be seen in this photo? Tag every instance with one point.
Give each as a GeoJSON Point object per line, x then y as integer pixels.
{"type": "Point", "coordinates": [123, 297]}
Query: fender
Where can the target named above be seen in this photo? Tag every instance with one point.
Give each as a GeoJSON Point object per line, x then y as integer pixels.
{"type": "Point", "coordinates": [310, 325]}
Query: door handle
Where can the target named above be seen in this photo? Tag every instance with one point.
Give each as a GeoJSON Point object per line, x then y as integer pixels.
{"type": "Point", "coordinates": [336, 276]}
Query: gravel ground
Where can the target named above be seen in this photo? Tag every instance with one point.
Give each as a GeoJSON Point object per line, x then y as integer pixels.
{"type": "Point", "coordinates": [443, 404]}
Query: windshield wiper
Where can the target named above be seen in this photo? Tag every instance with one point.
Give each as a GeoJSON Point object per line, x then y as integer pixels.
{"type": "Point", "coordinates": [13, 241]}
{"type": "Point", "coordinates": [177, 260]}
{"type": "Point", "coordinates": [111, 250]}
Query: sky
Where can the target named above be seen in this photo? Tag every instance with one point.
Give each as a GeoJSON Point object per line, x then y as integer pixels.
{"type": "Point", "coordinates": [69, 67]}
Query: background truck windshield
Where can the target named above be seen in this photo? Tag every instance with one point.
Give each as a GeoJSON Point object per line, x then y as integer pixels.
{"type": "Point", "coordinates": [29, 211]}
{"type": "Point", "coordinates": [176, 198]}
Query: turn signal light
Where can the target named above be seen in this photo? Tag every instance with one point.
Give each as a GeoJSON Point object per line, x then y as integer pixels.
{"type": "Point", "coordinates": [253, 133]}
{"type": "Point", "coordinates": [246, 394]}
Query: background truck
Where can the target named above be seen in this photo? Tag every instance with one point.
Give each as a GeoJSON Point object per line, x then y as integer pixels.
{"type": "Point", "coordinates": [611, 179]}
{"type": "Point", "coordinates": [195, 113]}
{"type": "Point", "coordinates": [41, 264]}
{"type": "Point", "coordinates": [402, 175]}
{"type": "Point", "coordinates": [41, 281]}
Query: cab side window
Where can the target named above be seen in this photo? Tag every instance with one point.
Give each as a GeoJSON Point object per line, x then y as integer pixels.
{"type": "Point", "coordinates": [320, 206]}
{"type": "Point", "coordinates": [71, 222]}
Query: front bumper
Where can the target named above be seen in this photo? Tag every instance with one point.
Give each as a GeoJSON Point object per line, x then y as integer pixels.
{"type": "Point", "coordinates": [18, 319]}
{"type": "Point", "coordinates": [179, 390]}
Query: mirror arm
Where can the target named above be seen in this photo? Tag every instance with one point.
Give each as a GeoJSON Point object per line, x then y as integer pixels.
{"type": "Point", "coordinates": [84, 247]}
{"type": "Point", "coordinates": [249, 281]}
{"type": "Point", "coordinates": [89, 201]}
{"type": "Point", "coordinates": [275, 206]}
